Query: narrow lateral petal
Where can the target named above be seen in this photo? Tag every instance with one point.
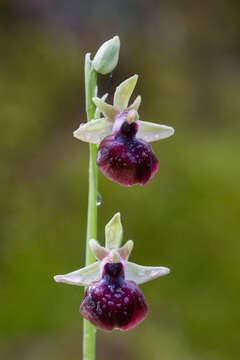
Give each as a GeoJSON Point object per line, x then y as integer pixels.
{"type": "Point", "coordinates": [113, 233]}
{"type": "Point", "coordinates": [94, 131]}
{"type": "Point", "coordinates": [108, 110]}
{"type": "Point", "coordinates": [135, 105]}
{"type": "Point", "coordinates": [126, 250]}
{"type": "Point", "coordinates": [141, 274]}
{"type": "Point", "coordinates": [152, 132]}
{"type": "Point", "coordinates": [98, 111]}
{"type": "Point", "coordinates": [98, 251]}
{"type": "Point", "coordinates": [123, 93]}
{"type": "Point", "coordinates": [81, 277]}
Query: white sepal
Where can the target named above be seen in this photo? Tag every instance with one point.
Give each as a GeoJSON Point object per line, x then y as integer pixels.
{"type": "Point", "coordinates": [108, 110]}
{"type": "Point", "coordinates": [152, 132]}
{"type": "Point", "coordinates": [126, 250]}
{"type": "Point", "coordinates": [123, 92]}
{"type": "Point", "coordinates": [98, 251]}
{"type": "Point", "coordinates": [94, 131]}
{"type": "Point", "coordinates": [81, 277]}
{"type": "Point", "coordinates": [113, 233]}
{"type": "Point", "coordinates": [141, 274]}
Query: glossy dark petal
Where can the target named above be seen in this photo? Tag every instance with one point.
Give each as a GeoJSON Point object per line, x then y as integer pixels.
{"type": "Point", "coordinates": [109, 306]}
{"type": "Point", "coordinates": [125, 159]}
{"type": "Point", "coordinates": [114, 303]}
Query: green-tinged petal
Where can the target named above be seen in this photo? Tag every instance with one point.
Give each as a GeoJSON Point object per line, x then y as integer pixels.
{"type": "Point", "coordinates": [152, 132]}
{"type": "Point", "coordinates": [113, 233]}
{"type": "Point", "coordinates": [135, 105]}
{"type": "Point", "coordinates": [94, 131]}
{"type": "Point", "coordinates": [81, 277]}
{"type": "Point", "coordinates": [126, 249]}
{"type": "Point", "coordinates": [98, 251]}
{"type": "Point", "coordinates": [98, 111]}
{"type": "Point", "coordinates": [123, 92]}
{"type": "Point", "coordinates": [141, 274]}
{"type": "Point", "coordinates": [108, 110]}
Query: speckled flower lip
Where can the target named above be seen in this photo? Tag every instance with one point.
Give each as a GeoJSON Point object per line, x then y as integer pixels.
{"type": "Point", "coordinates": [113, 299]}
{"type": "Point", "coordinates": [113, 302]}
{"type": "Point", "coordinates": [125, 159]}
{"type": "Point", "coordinates": [124, 155]}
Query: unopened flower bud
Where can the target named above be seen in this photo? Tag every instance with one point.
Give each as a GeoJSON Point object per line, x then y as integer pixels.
{"type": "Point", "coordinates": [106, 58]}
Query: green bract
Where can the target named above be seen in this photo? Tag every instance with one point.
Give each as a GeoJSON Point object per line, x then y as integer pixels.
{"type": "Point", "coordinates": [112, 252]}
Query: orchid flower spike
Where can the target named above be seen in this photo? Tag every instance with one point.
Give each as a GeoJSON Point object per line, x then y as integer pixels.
{"type": "Point", "coordinates": [124, 155]}
{"type": "Point", "coordinates": [113, 299]}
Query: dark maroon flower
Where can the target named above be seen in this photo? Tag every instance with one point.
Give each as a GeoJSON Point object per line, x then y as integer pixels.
{"type": "Point", "coordinates": [124, 155]}
{"type": "Point", "coordinates": [125, 159]}
{"type": "Point", "coordinates": [113, 299]}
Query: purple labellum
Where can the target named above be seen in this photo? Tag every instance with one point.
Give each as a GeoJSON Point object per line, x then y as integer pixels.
{"type": "Point", "coordinates": [125, 159]}
{"type": "Point", "coordinates": [114, 302]}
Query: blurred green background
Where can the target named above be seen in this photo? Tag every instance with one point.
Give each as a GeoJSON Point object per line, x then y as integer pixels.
{"type": "Point", "coordinates": [187, 217]}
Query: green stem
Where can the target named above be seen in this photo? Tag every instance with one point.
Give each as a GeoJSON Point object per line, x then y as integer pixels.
{"type": "Point", "coordinates": [89, 331]}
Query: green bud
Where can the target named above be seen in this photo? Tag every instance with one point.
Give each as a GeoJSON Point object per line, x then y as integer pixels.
{"type": "Point", "coordinates": [106, 58]}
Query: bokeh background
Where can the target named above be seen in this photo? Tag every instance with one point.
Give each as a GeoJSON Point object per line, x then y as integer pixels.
{"type": "Point", "coordinates": [187, 217]}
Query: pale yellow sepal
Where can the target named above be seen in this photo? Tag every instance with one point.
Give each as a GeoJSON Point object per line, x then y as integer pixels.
{"type": "Point", "coordinates": [113, 233]}
{"type": "Point", "coordinates": [123, 93]}
{"type": "Point", "coordinates": [94, 131]}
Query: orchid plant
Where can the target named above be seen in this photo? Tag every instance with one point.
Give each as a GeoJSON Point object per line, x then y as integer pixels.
{"type": "Point", "coordinates": [119, 147]}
